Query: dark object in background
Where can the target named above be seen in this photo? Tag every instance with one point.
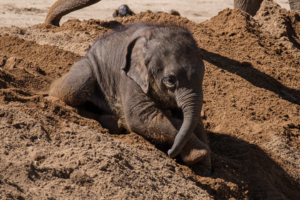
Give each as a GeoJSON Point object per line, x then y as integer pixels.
{"type": "Point", "coordinates": [123, 11]}
{"type": "Point", "coordinates": [174, 12]}
{"type": "Point", "coordinates": [171, 12]}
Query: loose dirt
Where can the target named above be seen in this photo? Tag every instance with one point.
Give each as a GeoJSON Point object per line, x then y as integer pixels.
{"type": "Point", "coordinates": [50, 150]}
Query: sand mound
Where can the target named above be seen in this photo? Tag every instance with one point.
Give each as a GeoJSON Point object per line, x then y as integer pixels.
{"type": "Point", "coordinates": [251, 113]}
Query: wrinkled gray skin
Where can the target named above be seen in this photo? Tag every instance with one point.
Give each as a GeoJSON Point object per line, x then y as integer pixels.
{"type": "Point", "coordinates": [139, 74]}
{"type": "Point", "coordinates": [252, 6]}
{"type": "Point", "coordinates": [249, 6]}
{"type": "Point", "coordinates": [294, 4]}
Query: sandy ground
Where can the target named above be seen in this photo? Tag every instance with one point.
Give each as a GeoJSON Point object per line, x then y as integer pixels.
{"type": "Point", "coordinates": [251, 111]}
{"type": "Point", "coordinates": [30, 12]}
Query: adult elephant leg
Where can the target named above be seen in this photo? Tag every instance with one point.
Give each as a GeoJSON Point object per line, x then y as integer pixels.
{"type": "Point", "coordinates": [294, 4]}
{"type": "Point", "coordinates": [248, 6]}
{"type": "Point", "coordinates": [63, 7]}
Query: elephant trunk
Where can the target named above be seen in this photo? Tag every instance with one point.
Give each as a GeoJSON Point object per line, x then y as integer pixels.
{"type": "Point", "coordinates": [61, 8]}
{"type": "Point", "coordinates": [191, 104]}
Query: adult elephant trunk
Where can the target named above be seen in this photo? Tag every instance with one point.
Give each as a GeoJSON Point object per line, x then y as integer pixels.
{"type": "Point", "coordinates": [63, 7]}
{"type": "Point", "coordinates": [191, 103]}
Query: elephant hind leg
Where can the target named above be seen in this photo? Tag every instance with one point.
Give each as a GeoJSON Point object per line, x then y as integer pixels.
{"type": "Point", "coordinates": [77, 86]}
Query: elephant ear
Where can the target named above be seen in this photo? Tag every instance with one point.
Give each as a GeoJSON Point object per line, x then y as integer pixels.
{"type": "Point", "coordinates": [134, 63]}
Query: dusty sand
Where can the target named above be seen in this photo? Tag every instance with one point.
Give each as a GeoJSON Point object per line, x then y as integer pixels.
{"type": "Point", "coordinates": [30, 12]}
{"type": "Point", "coordinates": [49, 150]}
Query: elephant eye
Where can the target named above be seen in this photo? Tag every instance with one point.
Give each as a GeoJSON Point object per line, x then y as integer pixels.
{"type": "Point", "coordinates": [169, 81]}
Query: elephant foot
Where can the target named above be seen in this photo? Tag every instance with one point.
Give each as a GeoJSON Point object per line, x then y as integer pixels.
{"type": "Point", "coordinates": [194, 151]}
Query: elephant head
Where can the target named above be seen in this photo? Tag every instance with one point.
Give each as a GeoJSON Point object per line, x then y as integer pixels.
{"type": "Point", "coordinates": [166, 64]}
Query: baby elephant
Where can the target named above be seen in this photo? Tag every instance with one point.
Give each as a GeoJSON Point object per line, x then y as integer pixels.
{"type": "Point", "coordinates": [150, 77]}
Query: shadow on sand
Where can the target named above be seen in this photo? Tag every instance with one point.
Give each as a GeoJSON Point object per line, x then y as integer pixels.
{"type": "Point", "coordinates": [236, 162]}
{"type": "Point", "coordinates": [256, 175]}
{"type": "Point", "coordinates": [247, 71]}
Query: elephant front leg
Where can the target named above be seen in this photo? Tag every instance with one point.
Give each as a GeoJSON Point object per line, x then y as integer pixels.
{"type": "Point", "coordinates": [144, 118]}
{"type": "Point", "coordinates": [205, 164]}
{"type": "Point", "coordinates": [195, 151]}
